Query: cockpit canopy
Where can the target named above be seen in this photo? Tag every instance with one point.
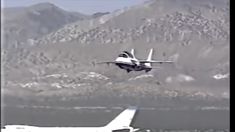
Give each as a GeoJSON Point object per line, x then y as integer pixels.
{"type": "Point", "coordinates": [123, 55]}
{"type": "Point", "coordinates": [126, 54]}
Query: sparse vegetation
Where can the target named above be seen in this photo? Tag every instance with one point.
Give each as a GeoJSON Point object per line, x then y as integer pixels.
{"type": "Point", "coordinates": [59, 61]}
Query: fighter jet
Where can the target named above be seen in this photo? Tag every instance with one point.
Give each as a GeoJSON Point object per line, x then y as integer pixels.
{"type": "Point", "coordinates": [127, 61]}
{"type": "Point", "coordinates": [120, 124]}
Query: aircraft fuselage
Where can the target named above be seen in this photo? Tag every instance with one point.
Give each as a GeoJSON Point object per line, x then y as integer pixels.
{"type": "Point", "coordinates": [133, 67]}
{"type": "Point", "coordinates": [57, 129]}
{"type": "Point", "coordinates": [120, 123]}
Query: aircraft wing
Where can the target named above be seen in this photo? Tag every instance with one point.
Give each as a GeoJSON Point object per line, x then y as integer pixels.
{"type": "Point", "coordinates": [156, 67]}
{"type": "Point", "coordinates": [160, 62]}
{"type": "Point", "coordinates": [106, 62]}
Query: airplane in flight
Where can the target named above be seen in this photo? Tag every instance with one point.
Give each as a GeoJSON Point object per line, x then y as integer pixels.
{"type": "Point", "coordinates": [127, 61]}
{"type": "Point", "coordinates": [119, 124]}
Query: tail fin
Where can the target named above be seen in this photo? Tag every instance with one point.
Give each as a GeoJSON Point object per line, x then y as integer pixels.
{"type": "Point", "coordinates": [124, 119]}
{"type": "Point", "coordinates": [133, 52]}
{"type": "Point", "coordinates": [149, 57]}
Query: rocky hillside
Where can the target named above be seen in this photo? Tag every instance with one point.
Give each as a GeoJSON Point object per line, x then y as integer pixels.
{"type": "Point", "coordinates": [22, 24]}
{"type": "Point", "coordinates": [193, 33]}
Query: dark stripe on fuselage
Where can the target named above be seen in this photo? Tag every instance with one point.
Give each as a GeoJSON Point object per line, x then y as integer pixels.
{"type": "Point", "coordinates": [132, 67]}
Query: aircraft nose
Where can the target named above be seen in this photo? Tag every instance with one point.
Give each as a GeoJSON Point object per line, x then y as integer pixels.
{"type": "Point", "coordinates": [118, 59]}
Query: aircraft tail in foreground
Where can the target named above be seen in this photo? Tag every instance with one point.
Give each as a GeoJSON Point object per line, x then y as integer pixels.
{"type": "Point", "coordinates": [124, 119]}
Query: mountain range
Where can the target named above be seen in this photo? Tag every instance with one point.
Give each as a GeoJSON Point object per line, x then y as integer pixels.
{"type": "Point", "coordinates": [50, 53]}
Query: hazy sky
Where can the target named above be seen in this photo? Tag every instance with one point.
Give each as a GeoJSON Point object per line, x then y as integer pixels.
{"type": "Point", "coordinates": [83, 6]}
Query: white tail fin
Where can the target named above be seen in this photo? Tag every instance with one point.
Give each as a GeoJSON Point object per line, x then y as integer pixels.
{"type": "Point", "coordinates": [124, 119]}
{"type": "Point", "coordinates": [133, 52]}
{"type": "Point", "coordinates": [149, 57]}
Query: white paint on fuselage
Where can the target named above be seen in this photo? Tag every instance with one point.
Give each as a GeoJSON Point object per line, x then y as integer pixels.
{"type": "Point", "coordinates": [121, 122]}
{"type": "Point", "coordinates": [124, 60]}
{"type": "Point", "coordinates": [55, 129]}
{"type": "Point", "coordinates": [131, 64]}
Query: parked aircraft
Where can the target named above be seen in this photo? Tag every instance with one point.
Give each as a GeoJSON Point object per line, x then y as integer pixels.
{"type": "Point", "coordinates": [119, 124]}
